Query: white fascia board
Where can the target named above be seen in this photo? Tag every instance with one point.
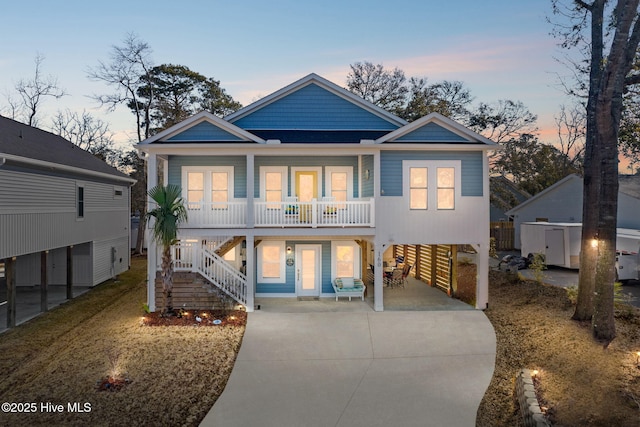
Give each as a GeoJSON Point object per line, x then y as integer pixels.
{"type": "Point", "coordinates": [57, 166]}
{"type": "Point", "coordinates": [441, 120]}
{"type": "Point", "coordinates": [324, 83]}
{"type": "Point", "coordinates": [197, 119]}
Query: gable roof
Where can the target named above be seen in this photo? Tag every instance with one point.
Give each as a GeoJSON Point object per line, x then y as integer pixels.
{"type": "Point", "coordinates": [505, 194]}
{"type": "Point", "coordinates": [26, 144]}
{"type": "Point", "coordinates": [628, 185]}
{"type": "Point", "coordinates": [435, 127]}
{"type": "Point", "coordinates": [198, 127]}
{"type": "Point", "coordinates": [375, 117]}
{"type": "Point", "coordinates": [564, 181]}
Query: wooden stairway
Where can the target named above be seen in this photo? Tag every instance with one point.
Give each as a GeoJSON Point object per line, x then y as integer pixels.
{"type": "Point", "coordinates": [228, 245]}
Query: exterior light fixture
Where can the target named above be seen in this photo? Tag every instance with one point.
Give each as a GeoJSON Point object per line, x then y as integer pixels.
{"type": "Point", "coordinates": [594, 243]}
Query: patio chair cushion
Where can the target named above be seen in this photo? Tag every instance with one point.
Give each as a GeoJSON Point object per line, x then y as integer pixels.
{"type": "Point", "coordinates": [347, 282]}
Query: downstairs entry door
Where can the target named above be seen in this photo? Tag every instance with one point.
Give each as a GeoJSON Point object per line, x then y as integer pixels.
{"type": "Point", "coordinates": [308, 270]}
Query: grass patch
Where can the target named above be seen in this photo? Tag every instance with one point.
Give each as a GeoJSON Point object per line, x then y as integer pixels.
{"type": "Point", "coordinates": [174, 373]}
{"type": "Point", "coordinates": [581, 383]}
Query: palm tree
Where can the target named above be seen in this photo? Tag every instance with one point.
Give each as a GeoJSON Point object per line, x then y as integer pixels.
{"type": "Point", "coordinates": [168, 214]}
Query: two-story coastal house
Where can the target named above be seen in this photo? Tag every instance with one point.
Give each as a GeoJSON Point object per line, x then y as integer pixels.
{"type": "Point", "coordinates": [312, 183]}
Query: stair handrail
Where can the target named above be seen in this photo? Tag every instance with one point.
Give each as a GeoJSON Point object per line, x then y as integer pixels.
{"type": "Point", "coordinates": [222, 275]}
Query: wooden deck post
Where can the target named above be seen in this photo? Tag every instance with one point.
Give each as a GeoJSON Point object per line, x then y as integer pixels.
{"type": "Point", "coordinates": [418, 270]}
{"type": "Point", "coordinates": [69, 272]}
{"type": "Point", "coordinates": [9, 274]}
{"type": "Point", "coordinates": [434, 264]}
{"type": "Point", "coordinates": [44, 306]}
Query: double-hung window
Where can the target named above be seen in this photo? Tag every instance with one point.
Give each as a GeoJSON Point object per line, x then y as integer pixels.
{"type": "Point", "coordinates": [432, 184]}
{"type": "Point", "coordinates": [418, 187]}
{"type": "Point", "coordinates": [346, 256]}
{"type": "Point", "coordinates": [273, 186]}
{"type": "Point", "coordinates": [207, 187]}
{"type": "Point", "coordinates": [271, 262]}
{"type": "Point", "coordinates": [339, 184]}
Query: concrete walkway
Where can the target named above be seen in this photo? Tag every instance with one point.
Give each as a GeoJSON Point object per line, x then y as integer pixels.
{"type": "Point", "coordinates": [359, 368]}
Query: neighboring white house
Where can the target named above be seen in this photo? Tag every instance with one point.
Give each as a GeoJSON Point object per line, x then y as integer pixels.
{"type": "Point", "coordinates": [312, 183]}
{"type": "Point", "coordinates": [562, 202]}
{"type": "Point", "coordinates": [61, 207]}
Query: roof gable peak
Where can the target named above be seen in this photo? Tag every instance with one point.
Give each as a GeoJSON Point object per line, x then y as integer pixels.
{"type": "Point", "coordinates": [324, 84]}
{"type": "Point", "coordinates": [466, 134]}
{"type": "Point", "coordinates": [202, 117]}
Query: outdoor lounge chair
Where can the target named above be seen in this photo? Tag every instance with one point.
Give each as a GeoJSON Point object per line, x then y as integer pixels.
{"type": "Point", "coordinates": [348, 287]}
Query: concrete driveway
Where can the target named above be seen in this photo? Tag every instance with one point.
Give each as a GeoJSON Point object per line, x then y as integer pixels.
{"type": "Point", "coordinates": [362, 368]}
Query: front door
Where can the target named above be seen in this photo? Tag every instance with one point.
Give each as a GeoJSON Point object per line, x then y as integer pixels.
{"type": "Point", "coordinates": [308, 270]}
{"type": "Point", "coordinates": [306, 190]}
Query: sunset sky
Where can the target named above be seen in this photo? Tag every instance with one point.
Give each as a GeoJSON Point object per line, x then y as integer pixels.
{"type": "Point", "coordinates": [500, 49]}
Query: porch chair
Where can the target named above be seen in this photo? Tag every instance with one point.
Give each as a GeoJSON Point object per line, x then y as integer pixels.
{"type": "Point", "coordinates": [395, 279]}
{"type": "Point", "coordinates": [405, 273]}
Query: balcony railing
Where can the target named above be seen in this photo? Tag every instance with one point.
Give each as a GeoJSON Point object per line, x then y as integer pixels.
{"type": "Point", "coordinates": [231, 214]}
{"type": "Point", "coordinates": [316, 213]}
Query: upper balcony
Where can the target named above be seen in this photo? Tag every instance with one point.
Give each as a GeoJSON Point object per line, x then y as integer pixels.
{"type": "Point", "coordinates": [312, 214]}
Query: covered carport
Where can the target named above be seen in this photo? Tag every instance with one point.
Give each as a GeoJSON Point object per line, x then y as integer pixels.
{"type": "Point", "coordinates": [441, 276]}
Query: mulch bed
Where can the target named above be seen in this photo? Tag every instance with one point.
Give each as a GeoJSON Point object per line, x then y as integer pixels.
{"type": "Point", "coordinates": [197, 318]}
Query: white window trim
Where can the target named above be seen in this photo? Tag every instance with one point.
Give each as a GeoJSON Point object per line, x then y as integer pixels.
{"type": "Point", "coordinates": [282, 278]}
{"type": "Point", "coordinates": [263, 180]}
{"type": "Point", "coordinates": [84, 201]}
{"type": "Point", "coordinates": [328, 170]}
{"type": "Point", "coordinates": [357, 262]}
{"type": "Point", "coordinates": [115, 191]}
{"type": "Point", "coordinates": [207, 170]}
{"type": "Point", "coordinates": [432, 182]}
{"type": "Point", "coordinates": [318, 171]}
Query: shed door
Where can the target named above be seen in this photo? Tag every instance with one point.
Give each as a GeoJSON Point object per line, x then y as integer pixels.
{"type": "Point", "coordinates": [554, 247]}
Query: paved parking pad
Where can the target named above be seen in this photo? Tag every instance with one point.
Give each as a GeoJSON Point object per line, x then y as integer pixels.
{"type": "Point", "coordinates": [359, 369]}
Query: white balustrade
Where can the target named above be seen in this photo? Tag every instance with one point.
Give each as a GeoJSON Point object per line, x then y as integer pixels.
{"type": "Point", "coordinates": [316, 213]}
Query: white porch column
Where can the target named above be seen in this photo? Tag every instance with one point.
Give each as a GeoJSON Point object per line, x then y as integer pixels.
{"type": "Point", "coordinates": [251, 276]}
{"type": "Point", "coordinates": [376, 174]}
{"type": "Point", "coordinates": [378, 303]}
{"type": "Point", "coordinates": [165, 171]}
{"type": "Point", "coordinates": [250, 190]}
{"type": "Point", "coordinates": [152, 251]}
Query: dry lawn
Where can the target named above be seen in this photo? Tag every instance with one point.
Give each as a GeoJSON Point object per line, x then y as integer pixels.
{"type": "Point", "coordinates": [582, 382]}
{"type": "Point", "coordinates": [176, 373]}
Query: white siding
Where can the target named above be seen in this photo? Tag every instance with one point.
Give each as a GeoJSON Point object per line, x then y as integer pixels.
{"type": "Point", "coordinates": [38, 212]}
{"type": "Point", "coordinates": [467, 223]}
{"type": "Point", "coordinates": [106, 265]}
